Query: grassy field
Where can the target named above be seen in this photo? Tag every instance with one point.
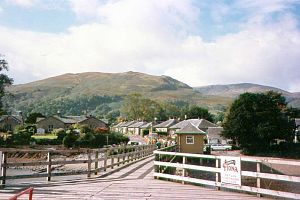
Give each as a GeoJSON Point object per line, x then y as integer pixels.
{"type": "Point", "coordinates": [49, 136]}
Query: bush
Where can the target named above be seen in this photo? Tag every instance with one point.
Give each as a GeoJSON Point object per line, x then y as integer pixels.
{"type": "Point", "coordinates": [21, 138]}
{"type": "Point", "coordinates": [86, 140]}
{"type": "Point", "coordinates": [60, 133]}
{"type": "Point", "coordinates": [46, 141]}
{"type": "Point", "coordinates": [70, 139]}
{"type": "Point", "coordinates": [145, 132]}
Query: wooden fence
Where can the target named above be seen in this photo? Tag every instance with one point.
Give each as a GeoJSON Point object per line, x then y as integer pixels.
{"type": "Point", "coordinates": [110, 157]}
{"type": "Point", "coordinates": [165, 161]}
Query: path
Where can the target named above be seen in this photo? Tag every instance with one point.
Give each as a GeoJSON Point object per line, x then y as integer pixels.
{"type": "Point", "coordinates": [134, 182]}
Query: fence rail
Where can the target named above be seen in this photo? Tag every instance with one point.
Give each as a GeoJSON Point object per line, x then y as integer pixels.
{"type": "Point", "coordinates": [109, 157]}
{"type": "Point", "coordinates": [164, 160]}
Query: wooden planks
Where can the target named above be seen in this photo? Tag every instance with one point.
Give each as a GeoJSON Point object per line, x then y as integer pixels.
{"type": "Point", "coordinates": [134, 182]}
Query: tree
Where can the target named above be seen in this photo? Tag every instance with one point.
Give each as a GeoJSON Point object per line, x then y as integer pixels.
{"type": "Point", "coordinates": [4, 81]}
{"type": "Point", "coordinates": [31, 119]}
{"type": "Point", "coordinates": [199, 112]}
{"type": "Point", "coordinates": [137, 107]}
{"type": "Point", "coordinates": [255, 120]}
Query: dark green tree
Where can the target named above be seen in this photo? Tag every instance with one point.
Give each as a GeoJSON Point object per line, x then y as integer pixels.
{"type": "Point", "coordinates": [198, 112]}
{"type": "Point", "coordinates": [31, 119]}
{"type": "Point", "coordinates": [137, 107]}
{"type": "Point", "coordinates": [255, 120]}
{"type": "Point", "coordinates": [4, 81]}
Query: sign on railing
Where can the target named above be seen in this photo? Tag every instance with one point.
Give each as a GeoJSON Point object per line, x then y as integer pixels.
{"type": "Point", "coordinates": [231, 170]}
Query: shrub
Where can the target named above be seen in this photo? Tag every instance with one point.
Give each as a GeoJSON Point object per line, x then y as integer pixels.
{"type": "Point", "coordinates": [70, 139]}
{"type": "Point", "coordinates": [60, 133]}
{"type": "Point", "coordinates": [86, 140]}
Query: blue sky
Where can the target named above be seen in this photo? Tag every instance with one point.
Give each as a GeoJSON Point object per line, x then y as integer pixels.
{"type": "Point", "coordinates": [197, 42]}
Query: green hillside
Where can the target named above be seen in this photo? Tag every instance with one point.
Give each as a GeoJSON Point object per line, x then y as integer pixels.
{"type": "Point", "coordinates": [103, 93]}
{"type": "Point", "coordinates": [97, 92]}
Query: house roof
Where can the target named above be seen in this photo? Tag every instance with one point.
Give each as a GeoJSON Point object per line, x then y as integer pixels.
{"type": "Point", "coordinates": [166, 124]}
{"type": "Point", "coordinates": [146, 125]}
{"type": "Point", "coordinates": [118, 125]}
{"type": "Point", "coordinates": [190, 129]}
{"type": "Point", "coordinates": [126, 124]}
{"type": "Point", "coordinates": [214, 132]}
{"type": "Point", "coordinates": [199, 123]}
{"type": "Point", "coordinates": [16, 117]}
{"type": "Point", "coordinates": [68, 119]}
{"type": "Point", "coordinates": [137, 125]}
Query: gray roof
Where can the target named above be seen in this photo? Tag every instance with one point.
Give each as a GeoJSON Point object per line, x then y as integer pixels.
{"type": "Point", "coordinates": [214, 132]}
{"type": "Point", "coordinates": [166, 124]}
{"type": "Point", "coordinates": [137, 125]}
{"type": "Point", "coordinates": [69, 119]}
{"type": "Point", "coordinates": [16, 117]}
{"type": "Point", "coordinates": [126, 124]}
{"type": "Point", "coordinates": [39, 119]}
{"type": "Point", "coordinates": [119, 124]}
{"type": "Point", "coordinates": [199, 123]}
{"type": "Point", "coordinates": [190, 129]}
{"type": "Point", "coordinates": [146, 125]}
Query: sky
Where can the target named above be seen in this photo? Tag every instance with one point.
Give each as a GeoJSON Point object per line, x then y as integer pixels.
{"type": "Point", "coordinates": [199, 42]}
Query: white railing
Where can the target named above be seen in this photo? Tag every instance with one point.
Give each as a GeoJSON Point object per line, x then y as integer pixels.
{"type": "Point", "coordinates": [165, 160]}
{"type": "Point", "coordinates": [101, 159]}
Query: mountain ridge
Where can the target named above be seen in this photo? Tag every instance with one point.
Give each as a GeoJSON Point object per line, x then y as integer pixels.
{"type": "Point", "coordinates": [88, 86]}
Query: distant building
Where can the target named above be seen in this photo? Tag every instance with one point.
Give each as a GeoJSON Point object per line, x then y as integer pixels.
{"type": "Point", "coordinates": [135, 128]}
{"type": "Point", "coordinates": [55, 122]}
{"type": "Point", "coordinates": [9, 122]}
{"type": "Point", "coordinates": [202, 124]}
{"type": "Point", "coordinates": [165, 126]}
{"type": "Point", "coordinates": [214, 136]}
{"type": "Point", "coordinates": [190, 139]}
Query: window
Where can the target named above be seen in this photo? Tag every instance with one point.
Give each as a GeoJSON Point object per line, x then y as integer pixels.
{"type": "Point", "coordinates": [50, 128]}
{"type": "Point", "coordinates": [189, 139]}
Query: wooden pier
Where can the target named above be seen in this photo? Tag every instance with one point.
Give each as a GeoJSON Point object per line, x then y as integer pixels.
{"type": "Point", "coordinates": [134, 181]}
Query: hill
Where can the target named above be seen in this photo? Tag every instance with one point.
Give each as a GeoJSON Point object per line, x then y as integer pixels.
{"type": "Point", "coordinates": [233, 90]}
{"type": "Point", "coordinates": [103, 93]}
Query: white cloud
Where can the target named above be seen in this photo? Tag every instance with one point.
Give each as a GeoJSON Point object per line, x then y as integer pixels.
{"type": "Point", "coordinates": [154, 37]}
{"type": "Point", "coordinates": [22, 3]}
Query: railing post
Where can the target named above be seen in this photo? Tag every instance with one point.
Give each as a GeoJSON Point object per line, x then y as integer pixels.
{"type": "Point", "coordinates": [3, 171]}
{"type": "Point", "coordinates": [96, 161]}
{"type": "Point", "coordinates": [217, 174]}
{"type": "Point", "coordinates": [105, 160]}
{"type": "Point", "coordinates": [124, 155]}
{"type": "Point", "coordinates": [112, 160]}
{"type": "Point", "coordinates": [118, 158]}
{"type": "Point", "coordinates": [258, 179]}
{"type": "Point", "coordinates": [49, 166]}
{"type": "Point", "coordinates": [89, 164]}
{"type": "Point", "coordinates": [183, 170]}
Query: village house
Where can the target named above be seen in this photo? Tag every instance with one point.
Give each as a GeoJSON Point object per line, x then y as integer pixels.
{"type": "Point", "coordinates": [164, 127]}
{"type": "Point", "coordinates": [146, 128]}
{"type": "Point", "coordinates": [202, 124]}
{"type": "Point", "coordinates": [124, 127]}
{"type": "Point", "coordinates": [117, 127]}
{"type": "Point", "coordinates": [190, 139]}
{"type": "Point", "coordinates": [9, 122]}
{"type": "Point", "coordinates": [54, 122]}
{"type": "Point", "coordinates": [135, 128]}
{"type": "Point", "coordinates": [214, 136]}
